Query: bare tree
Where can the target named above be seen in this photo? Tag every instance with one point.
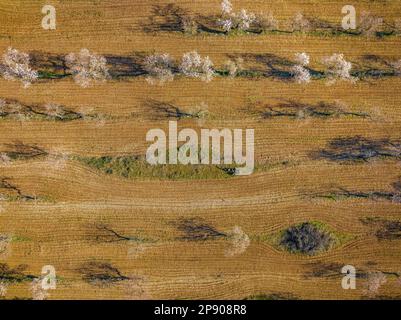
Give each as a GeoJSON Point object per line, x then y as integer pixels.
{"type": "Point", "coordinates": [397, 67]}
{"type": "Point", "coordinates": [4, 245]}
{"type": "Point", "coordinates": [14, 191]}
{"type": "Point", "coordinates": [3, 290]}
{"type": "Point", "coordinates": [266, 22]}
{"type": "Point", "coordinates": [298, 110]}
{"type": "Point", "coordinates": [306, 238]}
{"type": "Point", "coordinates": [384, 229]}
{"type": "Point", "coordinates": [161, 110]}
{"type": "Point", "coordinates": [48, 111]}
{"type": "Point", "coordinates": [245, 20]}
{"type": "Point", "coordinates": [14, 275]}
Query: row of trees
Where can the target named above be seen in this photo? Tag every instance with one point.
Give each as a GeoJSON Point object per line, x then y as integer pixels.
{"type": "Point", "coordinates": [87, 67]}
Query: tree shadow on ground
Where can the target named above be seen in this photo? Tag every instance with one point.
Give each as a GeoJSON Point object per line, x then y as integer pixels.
{"type": "Point", "coordinates": [297, 110]}
{"type": "Point", "coordinates": [196, 229]}
{"type": "Point", "coordinates": [100, 273]}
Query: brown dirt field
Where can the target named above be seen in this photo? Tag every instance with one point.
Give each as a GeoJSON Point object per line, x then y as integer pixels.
{"type": "Point", "coordinates": [60, 227]}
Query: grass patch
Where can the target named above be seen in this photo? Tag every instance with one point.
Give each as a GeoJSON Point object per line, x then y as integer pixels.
{"type": "Point", "coordinates": [135, 167]}
{"type": "Point", "coordinates": [20, 239]}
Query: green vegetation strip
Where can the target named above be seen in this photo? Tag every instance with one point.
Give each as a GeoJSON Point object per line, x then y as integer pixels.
{"type": "Point", "coordinates": [136, 167]}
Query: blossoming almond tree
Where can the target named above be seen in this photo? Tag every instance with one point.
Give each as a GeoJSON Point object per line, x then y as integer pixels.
{"type": "Point", "coordinates": [87, 67]}
{"type": "Point", "coordinates": [194, 66]}
{"type": "Point", "coordinates": [299, 72]}
{"type": "Point", "coordinates": [243, 20]}
{"type": "Point", "coordinates": [300, 23]}
{"type": "Point", "coordinates": [338, 68]}
{"type": "Point", "coordinates": [227, 16]}
{"type": "Point", "coordinates": [15, 66]}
